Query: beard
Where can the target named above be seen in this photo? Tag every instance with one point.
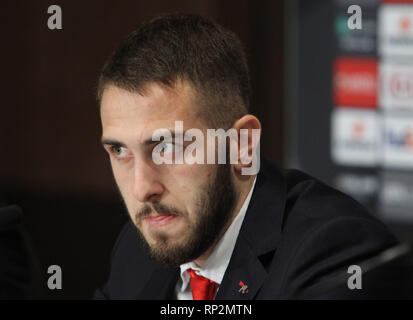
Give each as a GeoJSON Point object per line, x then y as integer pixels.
{"type": "Point", "coordinates": [214, 207]}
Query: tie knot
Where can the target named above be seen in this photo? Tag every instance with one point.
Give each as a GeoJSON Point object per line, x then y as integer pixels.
{"type": "Point", "coordinates": [202, 288]}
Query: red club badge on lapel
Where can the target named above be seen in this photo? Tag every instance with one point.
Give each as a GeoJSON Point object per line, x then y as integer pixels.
{"type": "Point", "coordinates": [244, 288]}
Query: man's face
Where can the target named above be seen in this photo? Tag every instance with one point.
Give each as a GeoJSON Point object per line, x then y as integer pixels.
{"type": "Point", "coordinates": [179, 209]}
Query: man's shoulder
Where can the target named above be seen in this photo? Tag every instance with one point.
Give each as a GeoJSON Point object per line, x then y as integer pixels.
{"type": "Point", "coordinates": [312, 207]}
{"type": "Point", "coordinates": [317, 200]}
{"type": "Point", "coordinates": [130, 250]}
{"type": "Point", "coordinates": [322, 231]}
{"type": "Point", "coordinates": [130, 265]}
{"type": "Point", "coordinates": [305, 204]}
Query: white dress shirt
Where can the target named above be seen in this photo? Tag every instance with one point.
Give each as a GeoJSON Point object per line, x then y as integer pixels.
{"type": "Point", "coordinates": [215, 266]}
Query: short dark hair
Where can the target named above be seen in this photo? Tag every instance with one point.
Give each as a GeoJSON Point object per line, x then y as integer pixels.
{"type": "Point", "coordinates": [185, 47]}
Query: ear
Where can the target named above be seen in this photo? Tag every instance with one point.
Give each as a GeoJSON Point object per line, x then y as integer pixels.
{"type": "Point", "coordinates": [249, 133]}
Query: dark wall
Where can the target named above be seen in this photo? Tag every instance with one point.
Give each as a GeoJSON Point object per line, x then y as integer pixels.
{"type": "Point", "coordinates": [51, 161]}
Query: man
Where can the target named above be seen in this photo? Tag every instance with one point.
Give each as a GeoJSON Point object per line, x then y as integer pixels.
{"type": "Point", "coordinates": [205, 230]}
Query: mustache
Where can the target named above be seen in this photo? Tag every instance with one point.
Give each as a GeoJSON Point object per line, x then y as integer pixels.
{"type": "Point", "coordinates": [158, 208]}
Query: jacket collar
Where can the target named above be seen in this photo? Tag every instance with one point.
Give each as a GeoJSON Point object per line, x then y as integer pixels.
{"type": "Point", "coordinates": [258, 238]}
{"type": "Point", "coordinates": [263, 221]}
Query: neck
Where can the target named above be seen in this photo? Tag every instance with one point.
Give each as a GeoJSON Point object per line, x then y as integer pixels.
{"type": "Point", "coordinates": [243, 188]}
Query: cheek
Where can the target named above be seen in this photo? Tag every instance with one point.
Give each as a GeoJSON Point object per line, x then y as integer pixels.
{"type": "Point", "coordinates": [187, 176]}
{"type": "Point", "coordinates": [124, 180]}
{"type": "Point", "coordinates": [121, 172]}
{"type": "Point", "coordinates": [188, 183]}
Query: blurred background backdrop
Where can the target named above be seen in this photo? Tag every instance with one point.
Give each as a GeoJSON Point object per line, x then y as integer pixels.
{"type": "Point", "coordinates": [334, 102]}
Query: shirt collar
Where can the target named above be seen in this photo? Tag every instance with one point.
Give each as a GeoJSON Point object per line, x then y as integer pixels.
{"type": "Point", "coordinates": [217, 263]}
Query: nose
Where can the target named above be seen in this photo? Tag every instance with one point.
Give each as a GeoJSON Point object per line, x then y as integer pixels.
{"type": "Point", "coordinates": [146, 185]}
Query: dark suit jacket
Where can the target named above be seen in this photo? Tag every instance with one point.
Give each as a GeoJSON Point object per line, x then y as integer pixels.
{"type": "Point", "coordinates": [297, 231]}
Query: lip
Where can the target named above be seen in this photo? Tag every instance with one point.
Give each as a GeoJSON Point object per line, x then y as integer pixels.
{"type": "Point", "coordinates": [160, 220]}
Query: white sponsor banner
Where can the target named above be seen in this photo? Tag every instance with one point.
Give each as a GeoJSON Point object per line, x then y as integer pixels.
{"type": "Point", "coordinates": [398, 141]}
{"type": "Point", "coordinates": [355, 137]}
{"type": "Point", "coordinates": [395, 197]}
{"type": "Point", "coordinates": [395, 33]}
{"type": "Point", "coordinates": [396, 85]}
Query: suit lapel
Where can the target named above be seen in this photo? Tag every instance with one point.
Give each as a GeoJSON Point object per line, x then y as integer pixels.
{"type": "Point", "coordinates": [258, 237]}
{"type": "Point", "coordinates": [246, 268]}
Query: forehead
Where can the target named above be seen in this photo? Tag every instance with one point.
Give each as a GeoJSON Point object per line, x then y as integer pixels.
{"type": "Point", "coordinates": [124, 113]}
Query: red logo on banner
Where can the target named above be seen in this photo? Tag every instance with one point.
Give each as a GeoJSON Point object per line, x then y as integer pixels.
{"type": "Point", "coordinates": [357, 130]}
{"type": "Point", "coordinates": [405, 24]}
{"type": "Point", "coordinates": [355, 82]}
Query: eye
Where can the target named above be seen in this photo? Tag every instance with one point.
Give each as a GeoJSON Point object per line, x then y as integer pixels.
{"type": "Point", "coordinates": [119, 152]}
{"type": "Point", "coordinates": [166, 147]}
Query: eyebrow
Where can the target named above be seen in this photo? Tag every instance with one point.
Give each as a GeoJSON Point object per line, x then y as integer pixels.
{"type": "Point", "coordinates": [173, 136]}
{"type": "Point", "coordinates": [111, 142]}
{"type": "Point", "coordinates": [147, 142]}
